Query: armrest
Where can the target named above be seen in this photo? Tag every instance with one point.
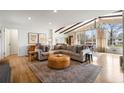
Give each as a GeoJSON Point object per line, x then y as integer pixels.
{"type": "Point", "coordinates": [82, 53]}
{"type": "Point", "coordinates": [40, 51]}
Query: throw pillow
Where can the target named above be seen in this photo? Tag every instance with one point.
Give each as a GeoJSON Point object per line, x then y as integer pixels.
{"type": "Point", "coordinates": [78, 49]}
{"type": "Point", "coordinates": [47, 48]}
{"type": "Point", "coordinates": [42, 47]}
{"type": "Point", "coordinates": [69, 47]}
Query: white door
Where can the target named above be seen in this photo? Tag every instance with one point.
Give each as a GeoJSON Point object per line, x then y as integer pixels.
{"type": "Point", "coordinates": [7, 42]}
{"type": "Point", "coordinates": [14, 42]}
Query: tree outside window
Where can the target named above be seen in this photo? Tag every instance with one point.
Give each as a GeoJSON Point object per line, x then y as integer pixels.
{"type": "Point", "coordinates": [114, 35]}
{"type": "Point", "coordinates": [87, 37]}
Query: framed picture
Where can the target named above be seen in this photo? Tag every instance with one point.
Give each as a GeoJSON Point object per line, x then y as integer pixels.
{"type": "Point", "coordinates": [42, 38]}
{"type": "Point", "coordinates": [32, 38]}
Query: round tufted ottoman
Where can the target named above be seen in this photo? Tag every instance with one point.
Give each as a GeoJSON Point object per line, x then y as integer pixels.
{"type": "Point", "coordinates": [58, 61]}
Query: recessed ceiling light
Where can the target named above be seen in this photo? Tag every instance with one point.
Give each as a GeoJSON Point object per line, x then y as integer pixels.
{"type": "Point", "coordinates": [55, 11]}
{"type": "Point", "coordinates": [29, 18]}
{"type": "Point", "coordinates": [50, 23]}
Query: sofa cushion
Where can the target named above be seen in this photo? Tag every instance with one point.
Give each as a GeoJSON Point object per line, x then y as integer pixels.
{"type": "Point", "coordinates": [65, 52]}
{"type": "Point", "coordinates": [74, 49]}
{"type": "Point", "coordinates": [64, 46]}
{"type": "Point", "coordinates": [56, 47]}
{"type": "Point", "coordinates": [76, 54]}
{"type": "Point", "coordinates": [70, 48]}
{"type": "Point", "coordinates": [78, 49]}
{"type": "Point", "coordinates": [45, 53]}
{"type": "Point", "coordinates": [47, 48]}
{"type": "Point", "coordinates": [41, 47]}
{"type": "Point", "coordinates": [44, 48]}
{"type": "Point", "coordinates": [83, 47]}
{"type": "Point", "coordinates": [71, 53]}
{"type": "Point", "coordinates": [56, 51]}
{"type": "Point", "coordinates": [60, 46]}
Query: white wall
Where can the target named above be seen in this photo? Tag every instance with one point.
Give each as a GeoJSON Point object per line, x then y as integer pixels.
{"type": "Point", "coordinates": [13, 41]}
{"type": "Point", "coordinates": [2, 47]}
{"type": "Point", "coordinates": [23, 39]}
{"type": "Point", "coordinates": [7, 42]}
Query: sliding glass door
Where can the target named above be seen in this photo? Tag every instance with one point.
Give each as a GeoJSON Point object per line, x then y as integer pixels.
{"type": "Point", "coordinates": [114, 34]}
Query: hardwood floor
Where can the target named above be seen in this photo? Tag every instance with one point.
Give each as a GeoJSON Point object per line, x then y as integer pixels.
{"type": "Point", "coordinates": [111, 71]}
{"type": "Point", "coordinates": [21, 73]}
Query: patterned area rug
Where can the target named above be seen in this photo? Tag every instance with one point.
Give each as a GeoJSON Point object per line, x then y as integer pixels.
{"type": "Point", "coordinates": [76, 73]}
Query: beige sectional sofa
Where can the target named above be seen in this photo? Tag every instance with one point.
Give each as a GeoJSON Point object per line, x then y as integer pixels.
{"type": "Point", "coordinates": [75, 52]}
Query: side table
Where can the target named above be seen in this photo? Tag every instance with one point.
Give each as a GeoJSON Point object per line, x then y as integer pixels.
{"type": "Point", "coordinates": [32, 55]}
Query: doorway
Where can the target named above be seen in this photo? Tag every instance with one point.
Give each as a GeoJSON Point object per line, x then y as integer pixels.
{"type": "Point", "coordinates": [11, 42]}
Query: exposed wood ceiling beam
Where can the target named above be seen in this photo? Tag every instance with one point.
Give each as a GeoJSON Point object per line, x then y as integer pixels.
{"type": "Point", "coordinates": [110, 16]}
{"type": "Point", "coordinates": [80, 26]}
{"type": "Point", "coordinates": [59, 29]}
{"type": "Point", "coordinates": [93, 20]}
{"type": "Point", "coordinates": [117, 11]}
{"type": "Point", "coordinates": [71, 27]}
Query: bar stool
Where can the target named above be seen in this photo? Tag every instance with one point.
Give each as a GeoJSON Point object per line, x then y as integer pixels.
{"type": "Point", "coordinates": [89, 57]}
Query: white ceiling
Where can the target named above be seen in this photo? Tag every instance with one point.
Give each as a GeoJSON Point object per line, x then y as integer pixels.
{"type": "Point", "coordinates": [41, 18]}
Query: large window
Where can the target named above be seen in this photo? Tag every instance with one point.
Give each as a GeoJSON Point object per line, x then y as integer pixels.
{"type": "Point", "coordinates": [114, 35]}
{"type": "Point", "coordinates": [81, 38]}
{"type": "Point", "coordinates": [87, 37]}
{"type": "Point", "coordinates": [90, 37]}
